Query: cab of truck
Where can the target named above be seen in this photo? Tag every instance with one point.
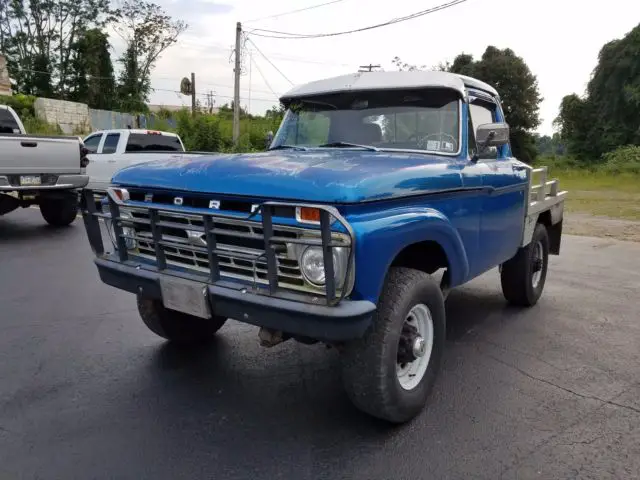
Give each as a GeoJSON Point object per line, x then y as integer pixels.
{"type": "Point", "coordinates": [119, 141]}
{"type": "Point", "coordinates": [112, 150]}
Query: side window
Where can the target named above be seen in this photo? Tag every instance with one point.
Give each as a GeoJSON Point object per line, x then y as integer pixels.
{"type": "Point", "coordinates": [8, 124]}
{"type": "Point", "coordinates": [92, 143]}
{"type": "Point", "coordinates": [481, 113]}
{"type": "Point", "coordinates": [111, 143]}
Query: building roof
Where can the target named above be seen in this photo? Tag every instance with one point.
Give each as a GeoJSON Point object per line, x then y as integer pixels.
{"type": "Point", "coordinates": [363, 81]}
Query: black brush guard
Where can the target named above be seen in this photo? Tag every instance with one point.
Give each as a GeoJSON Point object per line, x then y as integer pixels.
{"type": "Point", "coordinates": [331, 298]}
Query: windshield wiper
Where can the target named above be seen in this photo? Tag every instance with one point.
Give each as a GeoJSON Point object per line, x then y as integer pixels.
{"type": "Point", "coordinates": [347, 144]}
{"type": "Point", "coordinates": [289, 147]}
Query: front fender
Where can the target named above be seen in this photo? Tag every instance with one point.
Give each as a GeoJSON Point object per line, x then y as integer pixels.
{"type": "Point", "coordinates": [381, 236]}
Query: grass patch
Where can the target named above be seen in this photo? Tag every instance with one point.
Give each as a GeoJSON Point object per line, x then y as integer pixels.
{"type": "Point", "coordinates": [600, 193]}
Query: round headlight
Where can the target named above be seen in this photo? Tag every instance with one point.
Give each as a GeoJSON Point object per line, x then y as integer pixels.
{"type": "Point", "coordinates": [312, 265]}
{"type": "Point", "coordinates": [129, 242]}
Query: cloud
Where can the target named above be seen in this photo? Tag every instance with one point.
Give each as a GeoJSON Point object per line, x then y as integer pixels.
{"type": "Point", "coordinates": [195, 9]}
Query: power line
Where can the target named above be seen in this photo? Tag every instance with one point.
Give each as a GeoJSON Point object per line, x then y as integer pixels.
{"type": "Point", "coordinates": [263, 77]}
{"type": "Point", "coordinates": [298, 36]}
{"type": "Point", "coordinates": [163, 77]}
{"type": "Point", "coordinates": [294, 11]}
{"type": "Point", "coordinates": [270, 62]}
{"type": "Point", "coordinates": [222, 96]}
{"type": "Point", "coordinates": [208, 47]}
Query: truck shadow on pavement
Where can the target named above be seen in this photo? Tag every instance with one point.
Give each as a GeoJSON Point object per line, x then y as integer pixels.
{"type": "Point", "coordinates": [289, 390]}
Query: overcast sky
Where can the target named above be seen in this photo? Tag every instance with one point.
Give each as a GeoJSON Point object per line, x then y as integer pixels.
{"type": "Point", "coordinates": [559, 40]}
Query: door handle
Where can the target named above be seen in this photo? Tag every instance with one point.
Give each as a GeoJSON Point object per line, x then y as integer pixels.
{"type": "Point", "coordinates": [29, 144]}
{"type": "Point", "coordinates": [111, 161]}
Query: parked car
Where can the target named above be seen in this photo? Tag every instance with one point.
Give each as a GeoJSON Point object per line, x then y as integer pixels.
{"type": "Point", "coordinates": [46, 171]}
{"type": "Point", "coordinates": [374, 183]}
{"type": "Point", "coordinates": [111, 150]}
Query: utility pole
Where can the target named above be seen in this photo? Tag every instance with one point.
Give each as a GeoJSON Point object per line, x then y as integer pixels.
{"type": "Point", "coordinates": [368, 68]}
{"type": "Point", "coordinates": [193, 94]}
{"type": "Point", "coordinates": [236, 86]}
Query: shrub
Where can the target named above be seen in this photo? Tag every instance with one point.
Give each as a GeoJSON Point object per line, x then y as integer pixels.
{"type": "Point", "coordinates": [622, 160]}
{"type": "Point", "coordinates": [22, 104]}
{"type": "Point", "coordinates": [36, 126]}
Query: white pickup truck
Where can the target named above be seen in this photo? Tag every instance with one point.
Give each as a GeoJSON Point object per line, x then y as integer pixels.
{"type": "Point", "coordinates": [47, 171]}
{"type": "Point", "coordinates": [112, 150]}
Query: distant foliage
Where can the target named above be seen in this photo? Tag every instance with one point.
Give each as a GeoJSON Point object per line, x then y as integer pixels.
{"type": "Point", "coordinates": [214, 132]}
{"type": "Point", "coordinates": [607, 116]}
{"type": "Point", "coordinates": [517, 85]}
{"type": "Point", "coordinates": [622, 160]}
{"type": "Point", "coordinates": [36, 126]}
{"type": "Point", "coordinates": [518, 88]}
{"type": "Point", "coordinates": [22, 104]}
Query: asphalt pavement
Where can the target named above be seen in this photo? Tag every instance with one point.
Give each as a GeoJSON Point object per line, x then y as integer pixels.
{"type": "Point", "coordinates": [86, 391]}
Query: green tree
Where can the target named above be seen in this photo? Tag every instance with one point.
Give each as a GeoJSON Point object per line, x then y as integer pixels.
{"type": "Point", "coordinates": [518, 88]}
{"type": "Point", "coordinates": [93, 81]}
{"type": "Point", "coordinates": [37, 37]}
{"type": "Point", "coordinates": [607, 116]}
{"type": "Point", "coordinates": [148, 32]}
{"type": "Point", "coordinates": [517, 85]}
{"type": "Point", "coordinates": [133, 89]}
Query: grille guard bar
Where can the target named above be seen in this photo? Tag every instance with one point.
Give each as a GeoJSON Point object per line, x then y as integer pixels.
{"type": "Point", "coordinates": [328, 216]}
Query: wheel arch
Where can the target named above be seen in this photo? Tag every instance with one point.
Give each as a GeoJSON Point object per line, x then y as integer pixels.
{"type": "Point", "coordinates": [425, 240]}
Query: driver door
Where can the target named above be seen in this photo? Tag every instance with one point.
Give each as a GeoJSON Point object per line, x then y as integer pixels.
{"type": "Point", "coordinates": [503, 203]}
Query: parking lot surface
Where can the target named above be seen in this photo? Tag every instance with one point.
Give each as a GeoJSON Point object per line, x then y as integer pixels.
{"type": "Point", "coordinates": [87, 392]}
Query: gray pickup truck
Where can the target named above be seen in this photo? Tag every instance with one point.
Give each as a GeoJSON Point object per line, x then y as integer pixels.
{"type": "Point", "coordinates": [47, 171]}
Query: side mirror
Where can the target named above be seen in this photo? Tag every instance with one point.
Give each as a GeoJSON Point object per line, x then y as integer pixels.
{"type": "Point", "coordinates": [492, 135]}
{"type": "Point", "coordinates": [489, 137]}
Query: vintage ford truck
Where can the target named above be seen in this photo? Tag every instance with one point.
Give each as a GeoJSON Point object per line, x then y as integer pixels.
{"type": "Point", "coordinates": [375, 185]}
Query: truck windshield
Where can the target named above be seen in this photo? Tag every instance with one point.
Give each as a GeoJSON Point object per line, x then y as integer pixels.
{"type": "Point", "coordinates": [423, 120]}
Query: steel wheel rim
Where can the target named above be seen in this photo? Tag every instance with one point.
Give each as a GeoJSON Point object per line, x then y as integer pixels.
{"type": "Point", "coordinates": [537, 264]}
{"type": "Point", "coordinates": [410, 374]}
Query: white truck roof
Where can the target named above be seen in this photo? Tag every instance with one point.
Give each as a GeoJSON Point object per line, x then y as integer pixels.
{"type": "Point", "coordinates": [141, 131]}
{"type": "Point", "coordinates": [363, 81]}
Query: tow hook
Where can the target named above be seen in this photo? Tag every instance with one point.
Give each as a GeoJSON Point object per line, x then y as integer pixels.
{"type": "Point", "coordinates": [270, 338]}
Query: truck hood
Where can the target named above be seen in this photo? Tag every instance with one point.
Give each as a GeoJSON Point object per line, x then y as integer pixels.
{"type": "Point", "coordinates": [324, 176]}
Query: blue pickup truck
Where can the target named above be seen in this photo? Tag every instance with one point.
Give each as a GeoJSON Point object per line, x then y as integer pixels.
{"type": "Point", "coordinates": [380, 192]}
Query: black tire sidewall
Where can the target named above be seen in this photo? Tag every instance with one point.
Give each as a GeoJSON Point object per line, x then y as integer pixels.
{"type": "Point", "coordinates": [177, 327]}
{"type": "Point", "coordinates": [369, 363]}
{"type": "Point", "coordinates": [539, 235]}
{"type": "Point", "coordinates": [60, 212]}
{"type": "Point", "coordinates": [429, 294]}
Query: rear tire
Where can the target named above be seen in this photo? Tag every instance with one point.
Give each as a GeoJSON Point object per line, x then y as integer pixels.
{"type": "Point", "coordinates": [378, 377]}
{"type": "Point", "coordinates": [59, 212]}
{"type": "Point", "coordinates": [523, 276]}
{"type": "Point", "coordinates": [177, 327]}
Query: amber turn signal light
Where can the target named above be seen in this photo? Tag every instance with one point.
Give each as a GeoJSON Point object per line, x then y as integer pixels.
{"type": "Point", "coordinates": [308, 215]}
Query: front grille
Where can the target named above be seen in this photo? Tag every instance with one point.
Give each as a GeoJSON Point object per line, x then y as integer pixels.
{"type": "Point", "coordinates": [216, 245]}
{"type": "Point", "coordinates": [239, 246]}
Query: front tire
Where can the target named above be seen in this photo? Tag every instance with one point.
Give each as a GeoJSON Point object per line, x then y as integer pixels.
{"type": "Point", "coordinates": [523, 276]}
{"type": "Point", "coordinates": [390, 372]}
{"type": "Point", "coordinates": [59, 212]}
{"type": "Point", "coordinates": [177, 327]}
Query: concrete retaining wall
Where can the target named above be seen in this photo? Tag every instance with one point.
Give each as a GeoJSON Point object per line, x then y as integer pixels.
{"type": "Point", "coordinates": [71, 116]}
